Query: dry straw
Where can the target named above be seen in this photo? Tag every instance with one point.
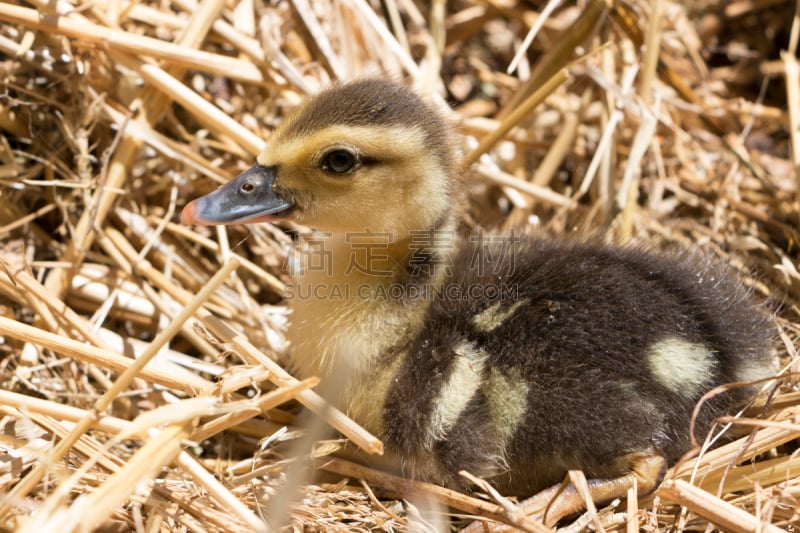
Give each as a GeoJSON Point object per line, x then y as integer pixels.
{"type": "Point", "coordinates": [142, 384]}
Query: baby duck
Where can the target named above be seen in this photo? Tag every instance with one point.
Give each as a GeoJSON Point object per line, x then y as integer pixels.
{"type": "Point", "coordinates": [514, 358]}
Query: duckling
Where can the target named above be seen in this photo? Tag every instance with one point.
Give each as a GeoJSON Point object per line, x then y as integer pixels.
{"type": "Point", "coordinates": [512, 357]}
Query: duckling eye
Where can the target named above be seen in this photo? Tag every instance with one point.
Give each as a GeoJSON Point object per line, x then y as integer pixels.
{"type": "Point", "coordinates": [339, 161]}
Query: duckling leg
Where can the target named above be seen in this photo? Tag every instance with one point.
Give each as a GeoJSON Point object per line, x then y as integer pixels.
{"type": "Point", "coordinates": [552, 504]}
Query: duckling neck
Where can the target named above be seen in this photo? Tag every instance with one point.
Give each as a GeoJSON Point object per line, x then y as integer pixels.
{"type": "Point", "coordinates": [360, 296]}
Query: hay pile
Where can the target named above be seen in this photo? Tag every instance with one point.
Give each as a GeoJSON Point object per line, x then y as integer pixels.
{"type": "Point", "coordinates": [673, 123]}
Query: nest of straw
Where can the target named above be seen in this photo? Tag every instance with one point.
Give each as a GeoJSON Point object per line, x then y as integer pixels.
{"type": "Point", "coordinates": [141, 377]}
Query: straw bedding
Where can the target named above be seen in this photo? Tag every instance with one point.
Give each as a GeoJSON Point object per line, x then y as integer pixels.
{"type": "Point", "coordinates": [666, 122]}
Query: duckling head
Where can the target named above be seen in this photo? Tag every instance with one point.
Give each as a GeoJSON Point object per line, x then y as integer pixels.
{"type": "Point", "coordinates": [367, 155]}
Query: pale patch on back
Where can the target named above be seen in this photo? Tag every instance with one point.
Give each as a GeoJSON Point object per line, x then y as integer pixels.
{"type": "Point", "coordinates": [682, 366]}
{"type": "Point", "coordinates": [493, 316]}
{"type": "Point", "coordinates": [756, 368]}
{"type": "Point", "coordinates": [457, 391]}
{"type": "Point", "coordinates": [507, 396]}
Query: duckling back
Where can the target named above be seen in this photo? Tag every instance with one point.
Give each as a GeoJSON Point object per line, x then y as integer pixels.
{"type": "Point", "coordinates": [569, 356]}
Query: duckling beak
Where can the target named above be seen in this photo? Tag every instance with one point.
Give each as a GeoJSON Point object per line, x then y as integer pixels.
{"type": "Point", "coordinates": [247, 199]}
